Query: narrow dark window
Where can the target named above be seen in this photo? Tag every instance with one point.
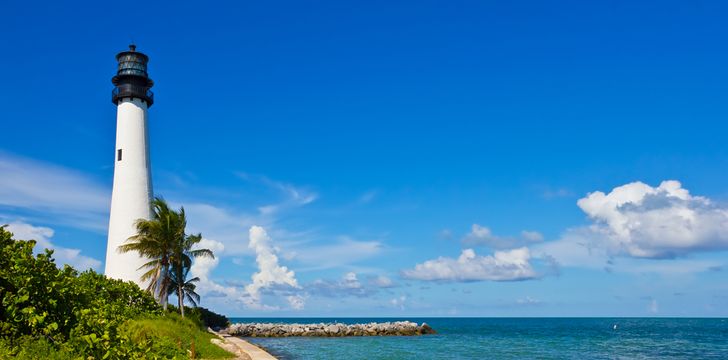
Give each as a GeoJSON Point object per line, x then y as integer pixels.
{"type": "Point", "coordinates": [118, 155]}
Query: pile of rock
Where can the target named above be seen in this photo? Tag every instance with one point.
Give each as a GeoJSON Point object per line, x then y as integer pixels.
{"type": "Point", "coordinates": [397, 328]}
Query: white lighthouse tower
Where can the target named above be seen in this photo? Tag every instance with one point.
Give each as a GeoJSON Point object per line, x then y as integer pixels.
{"type": "Point", "coordinates": [132, 193]}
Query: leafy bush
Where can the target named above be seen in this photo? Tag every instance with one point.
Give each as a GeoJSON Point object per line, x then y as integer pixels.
{"type": "Point", "coordinates": [35, 294]}
{"type": "Point", "coordinates": [205, 317]}
{"type": "Point", "coordinates": [54, 313]}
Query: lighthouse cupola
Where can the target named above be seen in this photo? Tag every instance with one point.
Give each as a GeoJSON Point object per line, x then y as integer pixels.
{"type": "Point", "coordinates": [131, 79]}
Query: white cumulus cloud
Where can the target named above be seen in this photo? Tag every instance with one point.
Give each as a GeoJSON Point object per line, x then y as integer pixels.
{"type": "Point", "coordinates": [270, 273]}
{"type": "Point", "coordinates": [639, 220]}
{"type": "Point", "coordinates": [271, 277]}
{"type": "Point", "coordinates": [510, 265]}
{"type": "Point", "coordinates": [204, 265]}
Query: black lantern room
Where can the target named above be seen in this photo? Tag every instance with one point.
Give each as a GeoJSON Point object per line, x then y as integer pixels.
{"type": "Point", "coordinates": [132, 80]}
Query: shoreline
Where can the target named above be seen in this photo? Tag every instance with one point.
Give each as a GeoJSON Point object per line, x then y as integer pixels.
{"type": "Point", "coordinates": [243, 350]}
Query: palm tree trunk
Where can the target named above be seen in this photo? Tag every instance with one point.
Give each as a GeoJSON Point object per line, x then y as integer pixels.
{"type": "Point", "coordinates": [164, 294]}
{"type": "Point", "coordinates": [180, 295]}
{"type": "Point", "coordinates": [164, 286]}
{"type": "Point", "coordinates": [164, 298]}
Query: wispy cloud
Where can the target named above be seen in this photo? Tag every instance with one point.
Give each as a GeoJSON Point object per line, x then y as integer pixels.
{"type": "Point", "coordinates": [582, 248]}
{"type": "Point", "coordinates": [528, 301]}
{"type": "Point", "coordinates": [42, 236]}
{"type": "Point", "coordinates": [53, 194]}
{"type": "Point", "coordinates": [653, 307]}
{"type": "Point", "coordinates": [348, 285]}
{"type": "Point", "coordinates": [483, 236]}
{"type": "Point", "coordinates": [294, 195]}
{"type": "Point", "coordinates": [382, 281]}
{"type": "Point", "coordinates": [342, 253]}
{"type": "Point", "coordinates": [368, 196]}
{"type": "Point", "coordinates": [399, 302]}
{"type": "Point", "coordinates": [444, 234]}
{"type": "Point", "coordinates": [226, 225]}
{"type": "Point", "coordinates": [550, 193]}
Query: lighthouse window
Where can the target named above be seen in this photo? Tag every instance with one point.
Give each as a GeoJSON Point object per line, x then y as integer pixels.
{"type": "Point", "coordinates": [118, 155]}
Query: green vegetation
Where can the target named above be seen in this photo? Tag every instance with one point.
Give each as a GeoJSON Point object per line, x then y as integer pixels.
{"type": "Point", "coordinates": [163, 240]}
{"type": "Point", "coordinates": [204, 317]}
{"type": "Point", "coordinates": [58, 313]}
{"type": "Point", "coordinates": [175, 333]}
{"type": "Point", "coordinates": [211, 319]}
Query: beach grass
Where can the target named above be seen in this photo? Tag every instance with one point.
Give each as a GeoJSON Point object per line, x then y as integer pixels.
{"type": "Point", "coordinates": [176, 332]}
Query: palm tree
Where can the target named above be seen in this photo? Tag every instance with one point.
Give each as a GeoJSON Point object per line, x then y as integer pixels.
{"type": "Point", "coordinates": [188, 289]}
{"type": "Point", "coordinates": [163, 241]}
{"type": "Point", "coordinates": [180, 263]}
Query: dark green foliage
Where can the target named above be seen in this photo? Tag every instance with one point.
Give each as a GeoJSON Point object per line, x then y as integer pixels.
{"type": "Point", "coordinates": [209, 318]}
{"type": "Point", "coordinates": [203, 317]}
{"type": "Point", "coordinates": [54, 313]}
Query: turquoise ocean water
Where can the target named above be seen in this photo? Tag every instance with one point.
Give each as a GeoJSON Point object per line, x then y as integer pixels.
{"type": "Point", "coordinates": [517, 338]}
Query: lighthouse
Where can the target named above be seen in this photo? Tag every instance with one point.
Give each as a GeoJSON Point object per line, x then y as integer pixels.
{"type": "Point", "coordinates": [132, 192]}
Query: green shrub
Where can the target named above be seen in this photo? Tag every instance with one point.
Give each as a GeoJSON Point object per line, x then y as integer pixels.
{"type": "Point", "coordinates": [36, 296]}
{"type": "Point", "coordinates": [210, 318]}
{"type": "Point", "coordinates": [204, 317]}
{"type": "Point", "coordinates": [53, 313]}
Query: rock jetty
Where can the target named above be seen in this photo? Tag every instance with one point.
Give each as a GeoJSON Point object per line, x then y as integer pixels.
{"type": "Point", "coordinates": [396, 328]}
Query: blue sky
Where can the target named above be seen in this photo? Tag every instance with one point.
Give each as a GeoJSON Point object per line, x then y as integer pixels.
{"type": "Point", "coordinates": [398, 159]}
